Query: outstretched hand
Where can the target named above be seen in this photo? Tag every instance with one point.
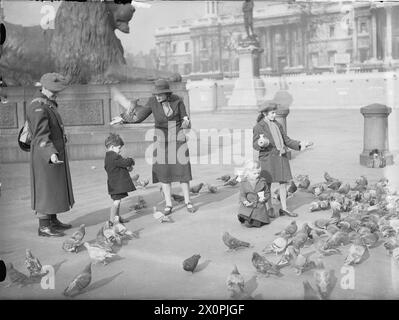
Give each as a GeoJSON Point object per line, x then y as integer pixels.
{"type": "Point", "coordinates": [306, 144]}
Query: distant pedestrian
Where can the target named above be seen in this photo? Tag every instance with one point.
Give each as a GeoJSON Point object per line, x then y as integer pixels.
{"type": "Point", "coordinates": [270, 139]}
{"type": "Point", "coordinates": [119, 181]}
{"type": "Point", "coordinates": [51, 185]}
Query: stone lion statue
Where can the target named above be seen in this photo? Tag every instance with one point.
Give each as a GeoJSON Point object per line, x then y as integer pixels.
{"type": "Point", "coordinates": [82, 46]}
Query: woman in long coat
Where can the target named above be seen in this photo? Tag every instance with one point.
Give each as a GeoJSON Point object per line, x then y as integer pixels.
{"type": "Point", "coordinates": [51, 185]}
{"type": "Point", "coordinates": [270, 139]}
{"type": "Point", "coordinates": [171, 155]}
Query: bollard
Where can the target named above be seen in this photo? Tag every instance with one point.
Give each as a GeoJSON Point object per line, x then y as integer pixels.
{"type": "Point", "coordinates": [375, 134]}
{"type": "Point", "coordinates": [281, 117]}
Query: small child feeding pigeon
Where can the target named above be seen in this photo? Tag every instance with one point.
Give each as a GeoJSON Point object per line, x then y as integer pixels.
{"type": "Point", "coordinates": [254, 193]}
{"type": "Point", "coordinates": [119, 181]}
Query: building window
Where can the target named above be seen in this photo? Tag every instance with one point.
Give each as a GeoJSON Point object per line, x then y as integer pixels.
{"type": "Point", "coordinates": [187, 47]}
{"type": "Point", "coordinates": [332, 31]}
{"type": "Point", "coordinates": [363, 27]}
{"type": "Point", "coordinates": [175, 68]}
{"type": "Point", "coordinates": [174, 47]}
{"type": "Point", "coordinates": [350, 31]}
{"type": "Point", "coordinates": [203, 42]}
{"type": "Point", "coordinates": [363, 54]}
{"type": "Point", "coordinates": [331, 57]}
{"type": "Point", "coordinates": [187, 68]}
{"type": "Point", "coordinates": [314, 59]}
{"type": "Point", "coordinates": [349, 52]}
{"type": "Point", "coordinates": [226, 65]}
{"type": "Point", "coordinates": [204, 66]}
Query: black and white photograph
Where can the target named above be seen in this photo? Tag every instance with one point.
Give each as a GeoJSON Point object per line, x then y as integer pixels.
{"type": "Point", "coordinates": [226, 151]}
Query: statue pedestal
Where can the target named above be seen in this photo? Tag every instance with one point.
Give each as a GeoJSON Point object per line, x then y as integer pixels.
{"type": "Point", "coordinates": [249, 89]}
{"type": "Point", "coordinates": [375, 134]}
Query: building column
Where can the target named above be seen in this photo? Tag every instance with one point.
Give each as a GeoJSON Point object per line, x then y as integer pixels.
{"type": "Point", "coordinates": [388, 51]}
{"type": "Point", "coordinates": [355, 50]}
{"type": "Point", "coordinates": [374, 33]}
{"type": "Point", "coordinates": [271, 40]}
{"type": "Point", "coordinates": [268, 47]}
{"type": "Point", "coordinates": [288, 45]}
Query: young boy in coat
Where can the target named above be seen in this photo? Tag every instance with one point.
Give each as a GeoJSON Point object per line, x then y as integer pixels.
{"type": "Point", "coordinates": [254, 193]}
{"type": "Point", "coordinates": [119, 181]}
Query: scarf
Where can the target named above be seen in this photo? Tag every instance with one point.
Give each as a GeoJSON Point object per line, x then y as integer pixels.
{"type": "Point", "coordinates": [166, 108]}
{"type": "Point", "coordinates": [276, 134]}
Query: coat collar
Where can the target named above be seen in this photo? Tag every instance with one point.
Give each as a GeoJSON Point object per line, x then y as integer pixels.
{"type": "Point", "coordinates": [173, 105]}
{"type": "Point", "coordinates": [51, 103]}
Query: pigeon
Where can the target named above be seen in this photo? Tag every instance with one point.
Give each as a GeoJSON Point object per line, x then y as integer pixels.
{"type": "Point", "coordinates": [299, 240]}
{"type": "Point", "coordinates": [177, 197]}
{"type": "Point", "coordinates": [135, 177]}
{"type": "Point", "coordinates": [335, 206]}
{"type": "Point", "coordinates": [304, 182]}
{"type": "Point", "coordinates": [141, 204]}
{"type": "Point", "coordinates": [71, 245]}
{"type": "Point", "coordinates": [33, 264]}
{"type": "Point", "coordinates": [235, 281]}
{"type": "Point", "coordinates": [289, 230]}
{"type": "Point", "coordinates": [120, 229]}
{"type": "Point", "coordinates": [322, 278]}
{"type": "Point", "coordinates": [196, 189]}
{"type": "Point", "coordinates": [370, 239]}
{"type": "Point", "coordinates": [391, 244]}
{"type": "Point", "coordinates": [98, 254]}
{"type": "Point", "coordinates": [191, 263]}
{"type": "Point", "coordinates": [278, 245]}
{"type": "Point", "coordinates": [80, 233]}
{"type": "Point", "coordinates": [224, 178]}
{"type": "Point", "coordinates": [102, 242]}
{"type": "Point", "coordinates": [344, 189]}
{"type": "Point", "coordinates": [292, 187]}
{"type": "Point", "coordinates": [264, 266]}
{"type": "Point", "coordinates": [337, 239]}
{"type": "Point", "coordinates": [111, 234]}
{"type": "Point", "coordinates": [356, 252]}
{"type": "Point", "coordinates": [334, 185]}
{"type": "Point", "coordinates": [302, 263]}
{"type": "Point", "coordinates": [319, 205]}
{"type": "Point", "coordinates": [387, 231]}
{"type": "Point", "coordinates": [81, 281]}
{"type": "Point", "coordinates": [141, 183]}
{"type": "Point", "coordinates": [232, 182]}
{"type": "Point", "coordinates": [160, 216]}
{"type": "Point", "coordinates": [233, 243]}
{"type": "Point", "coordinates": [320, 245]}
{"type": "Point", "coordinates": [14, 276]}
{"type": "Point", "coordinates": [328, 178]}
{"type": "Point", "coordinates": [344, 226]}
{"type": "Point", "coordinates": [308, 292]}
{"type": "Point", "coordinates": [212, 189]}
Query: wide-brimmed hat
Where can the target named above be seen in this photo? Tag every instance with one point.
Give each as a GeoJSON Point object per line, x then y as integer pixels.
{"type": "Point", "coordinates": [162, 86]}
{"type": "Point", "coordinates": [54, 82]}
{"type": "Point", "coordinates": [268, 106]}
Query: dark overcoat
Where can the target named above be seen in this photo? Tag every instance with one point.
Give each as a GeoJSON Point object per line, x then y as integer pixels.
{"type": "Point", "coordinates": [171, 161]}
{"type": "Point", "coordinates": [119, 180]}
{"type": "Point", "coordinates": [51, 185]}
{"type": "Point", "coordinates": [275, 168]}
{"type": "Point", "coordinates": [258, 210]}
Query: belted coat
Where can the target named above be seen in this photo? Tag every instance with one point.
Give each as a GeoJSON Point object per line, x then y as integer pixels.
{"type": "Point", "coordinates": [51, 184]}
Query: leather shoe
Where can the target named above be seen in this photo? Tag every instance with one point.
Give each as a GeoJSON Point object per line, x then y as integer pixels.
{"type": "Point", "coordinates": [287, 213]}
{"type": "Point", "coordinates": [49, 232]}
{"type": "Point", "coordinates": [59, 225]}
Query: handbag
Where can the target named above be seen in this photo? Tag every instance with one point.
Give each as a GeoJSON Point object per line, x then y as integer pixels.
{"type": "Point", "coordinates": [25, 137]}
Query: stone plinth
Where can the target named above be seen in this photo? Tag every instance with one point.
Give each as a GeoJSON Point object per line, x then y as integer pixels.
{"type": "Point", "coordinates": [249, 89]}
{"type": "Point", "coordinates": [375, 132]}
{"type": "Point", "coordinates": [86, 112]}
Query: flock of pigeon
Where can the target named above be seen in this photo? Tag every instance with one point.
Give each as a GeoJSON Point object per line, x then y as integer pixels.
{"type": "Point", "coordinates": [111, 235]}
{"type": "Point", "coordinates": [363, 216]}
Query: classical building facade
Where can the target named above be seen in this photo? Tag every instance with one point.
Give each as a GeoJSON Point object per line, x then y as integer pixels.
{"type": "Point", "coordinates": [311, 37]}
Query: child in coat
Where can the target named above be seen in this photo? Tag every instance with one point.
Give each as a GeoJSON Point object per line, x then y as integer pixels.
{"type": "Point", "coordinates": [254, 193]}
{"type": "Point", "coordinates": [119, 181]}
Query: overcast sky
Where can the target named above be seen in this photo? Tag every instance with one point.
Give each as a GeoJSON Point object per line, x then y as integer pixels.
{"type": "Point", "coordinates": [142, 25]}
